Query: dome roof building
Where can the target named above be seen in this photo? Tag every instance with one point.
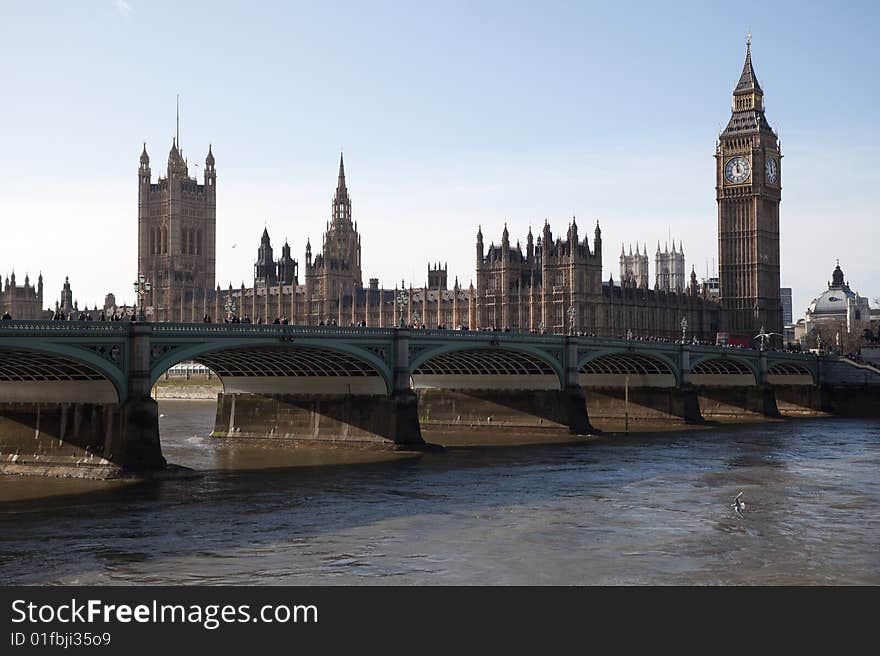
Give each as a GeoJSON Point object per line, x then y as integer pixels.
{"type": "Point", "coordinates": [833, 301]}
{"type": "Point", "coordinates": [837, 314]}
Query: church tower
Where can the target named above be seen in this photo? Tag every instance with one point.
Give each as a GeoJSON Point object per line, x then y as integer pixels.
{"type": "Point", "coordinates": [748, 186]}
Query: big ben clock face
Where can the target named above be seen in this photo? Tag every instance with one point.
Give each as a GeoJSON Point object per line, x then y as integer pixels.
{"type": "Point", "coordinates": [772, 167]}
{"type": "Point", "coordinates": [737, 170]}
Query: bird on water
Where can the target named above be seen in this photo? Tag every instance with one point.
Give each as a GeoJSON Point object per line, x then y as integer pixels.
{"type": "Point", "coordinates": [739, 505]}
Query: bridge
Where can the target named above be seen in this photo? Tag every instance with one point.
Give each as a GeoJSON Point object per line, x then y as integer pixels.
{"type": "Point", "coordinates": [79, 393]}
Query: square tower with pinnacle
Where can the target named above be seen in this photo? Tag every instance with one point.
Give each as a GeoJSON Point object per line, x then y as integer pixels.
{"type": "Point", "coordinates": [748, 190]}
{"type": "Point", "coordinates": [177, 219]}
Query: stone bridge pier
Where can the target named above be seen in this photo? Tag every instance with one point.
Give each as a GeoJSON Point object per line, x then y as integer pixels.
{"type": "Point", "coordinates": [139, 447]}
{"type": "Point", "coordinates": [77, 404]}
{"type": "Point", "coordinates": [494, 387]}
{"type": "Point", "coordinates": [315, 394]}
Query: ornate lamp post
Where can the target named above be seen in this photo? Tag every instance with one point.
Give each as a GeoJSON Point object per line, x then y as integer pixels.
{"type": "Point", "coordinates": [142, 286]}
{"type": "Point", "coordinates": [541, 327]}
{"type": "Point", "coordinates": [684, 328]}
{"type": "Point", "coordinates": [230, 308]}
{"type": "Point", "coordinates": [402, 300]}
{"type": "Point", "coordinates": [629, 334]}
{"type": "Point", "coordinates": [417, 319]}
{"type": "Point", "coordinates": [572, 312]}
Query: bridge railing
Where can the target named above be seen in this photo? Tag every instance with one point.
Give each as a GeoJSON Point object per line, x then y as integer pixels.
{"type": "Point", "coordinates": [220, 329]}
{"type": "Point", "coordinates": [487, 335]}
{"type": "Point", "coordinates": [46, 328]}
{"type": "Point", "coordinates": [49, 328]}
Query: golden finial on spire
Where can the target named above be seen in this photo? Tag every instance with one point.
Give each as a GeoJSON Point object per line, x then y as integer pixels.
{"type": "Point", "coordinates": [749, 39]}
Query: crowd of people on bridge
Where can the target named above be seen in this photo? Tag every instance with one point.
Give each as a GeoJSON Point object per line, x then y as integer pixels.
{"type": "Point", "coordinates": [118, 315]}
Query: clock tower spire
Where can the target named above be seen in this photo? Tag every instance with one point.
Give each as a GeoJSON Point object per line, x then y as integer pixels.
{"type": "Point", "coordinates": [748, 192]}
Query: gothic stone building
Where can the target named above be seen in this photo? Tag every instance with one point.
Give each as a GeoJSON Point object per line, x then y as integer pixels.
{"type": "Point", "coordinates": [332, 290]}
{"type": "Point", "coordinates": [177, 219]}
{"type": "Point", "coordinates": [669, 268]}
{"type": "Point", "coordinates": [634, 268]}
{"type": "Point", "coordinates": [554, 285]}
{"type": "Point", "coordinates": [22, 301]}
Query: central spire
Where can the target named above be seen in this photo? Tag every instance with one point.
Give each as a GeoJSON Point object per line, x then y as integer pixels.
{"type": "Point", "coordinates": [340, 184]}
{"type": "Point", "coordinates": [341, 201]}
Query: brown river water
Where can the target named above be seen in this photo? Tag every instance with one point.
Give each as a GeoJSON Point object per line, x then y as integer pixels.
{"type": "Point", "coordinates": [642, 509]}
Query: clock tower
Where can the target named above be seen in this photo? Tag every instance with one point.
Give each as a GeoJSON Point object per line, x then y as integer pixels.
{"type": "Point", "coordinates": [748, 186]}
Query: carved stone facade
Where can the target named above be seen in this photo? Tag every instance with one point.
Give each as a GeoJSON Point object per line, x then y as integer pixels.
{"type": "Point", "coordinates": [634, 268]}
{"type": "Point", "coordinates": [669, 267]}
{"type": "Point", "coordinates": [22, 301]}
{"type": "Point", "coordinates": [556, 287]}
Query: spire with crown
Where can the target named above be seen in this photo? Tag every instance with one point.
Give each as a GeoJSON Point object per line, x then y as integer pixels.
{"type": "Point", "coordinates": [748, 100]}
{"type": "Point", "coordinates": [176, 163]}
{"type": "Point", "coordinates": [748, 81]}
{"type": "Point", "coordinates": [341, 201]}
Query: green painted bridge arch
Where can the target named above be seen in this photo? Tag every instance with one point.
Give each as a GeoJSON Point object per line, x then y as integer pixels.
{"type": "Point", "coordinates": [67, 357]}
{"type": "Point", "coordinates": [484, 360]}
{"type": "Point", "coordinates": [792, 368]}
{"type": "Point", "coordinates": [612, 364]}
{"type": "Point", "coordinates": [272, 354]}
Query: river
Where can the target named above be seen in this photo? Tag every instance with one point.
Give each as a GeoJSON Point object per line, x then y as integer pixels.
{"type": "Point", "coordinates": [643, 509]}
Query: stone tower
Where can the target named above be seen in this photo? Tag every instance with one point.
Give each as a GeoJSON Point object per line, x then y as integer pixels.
{"type": "Point", "coordinates": [748, 184]}
{"type": "Point", "coordinates": [669, 268]}
{"type": "Point", "coordinates": [634, 268]}
{"type": "Point", "coordinates": [437, 276]}
{"type": "Point", "coordinates": [336, 272]}
{"type": "Point", "coordinates": [288, 269]}
{"type": "Point", "coordinates": [177, 219]}
{"type": "Point", "coordinates": [265, 268]}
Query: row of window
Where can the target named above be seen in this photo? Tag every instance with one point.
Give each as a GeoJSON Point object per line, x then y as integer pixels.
{"type": "Point", "coordinates": [191, 241]}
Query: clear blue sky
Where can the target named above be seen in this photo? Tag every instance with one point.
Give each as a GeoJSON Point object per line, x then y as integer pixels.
{"type": "Point", "coordinates": [450, 114]}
